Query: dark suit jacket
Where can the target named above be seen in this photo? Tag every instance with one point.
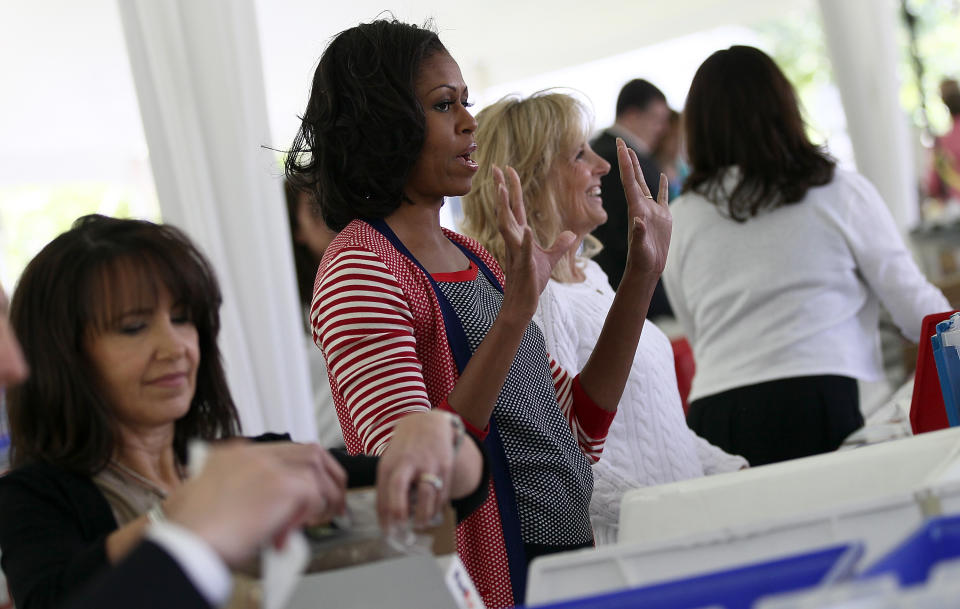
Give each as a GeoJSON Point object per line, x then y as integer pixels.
{"type": "Point", "coordinates": [54, 524]}
{"type": "Point", "coordinates": [613, 234]}
{"type": "Point", "coordinates": [148, 578]}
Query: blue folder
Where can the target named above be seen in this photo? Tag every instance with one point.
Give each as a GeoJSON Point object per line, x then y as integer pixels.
{"type": "Point", "coordinates": [947, 359]}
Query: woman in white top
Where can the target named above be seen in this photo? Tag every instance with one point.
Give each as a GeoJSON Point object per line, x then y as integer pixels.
{"type": "Point", "coordinates": [777, 268]}
{"type": "Point", "coordinates": [545, 138]}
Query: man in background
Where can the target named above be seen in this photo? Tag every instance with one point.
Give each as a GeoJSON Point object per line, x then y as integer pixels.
{"type": "Point", "coordinates": [642, 119]}
{"type": "Point", "coordinates": [943, 182]}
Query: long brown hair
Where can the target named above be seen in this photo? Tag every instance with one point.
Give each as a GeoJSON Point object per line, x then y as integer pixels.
{"type": "Point", "coordinates": [59, 415]}
{"type": "Point", "coordinates": [742, 113]}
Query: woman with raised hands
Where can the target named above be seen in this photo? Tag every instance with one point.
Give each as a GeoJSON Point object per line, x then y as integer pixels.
{"type": "Point", "coordinates": [412, 317]}
{"type": "Point", "coordinates": [546, 138]}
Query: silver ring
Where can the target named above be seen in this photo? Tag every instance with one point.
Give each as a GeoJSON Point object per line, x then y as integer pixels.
{"type": "Point", "coordinates": [648, 196]}
{"type": "Point", "coordinates": [432, 479]}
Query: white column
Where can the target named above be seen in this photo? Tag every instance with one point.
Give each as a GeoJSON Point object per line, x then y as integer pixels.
{"type": "Point", "coordinates": [197, 70]}
{"type": "Point", "coordinates": [862, 41]}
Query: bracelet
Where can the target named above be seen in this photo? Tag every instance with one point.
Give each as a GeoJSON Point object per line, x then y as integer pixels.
{"type": "Point", "coordinates": [459, 431]}
{"type": "Point", "coordinates": [156, 515]}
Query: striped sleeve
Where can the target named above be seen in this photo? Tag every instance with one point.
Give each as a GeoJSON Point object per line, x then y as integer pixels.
{"type": "Point", "coordinates": [363, 325]}
{"type": "Point", "coordinates": [588, 422]}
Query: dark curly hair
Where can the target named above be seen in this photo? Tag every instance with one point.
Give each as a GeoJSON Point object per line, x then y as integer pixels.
{"type": "Point", "coordinates": [363, 127]}
{"type": "Point", "coordinates": [73, 287]}
{"type": "Point", "coordinates": [304, 262]}
{"type": "Point", "coordinates": [742, 111]}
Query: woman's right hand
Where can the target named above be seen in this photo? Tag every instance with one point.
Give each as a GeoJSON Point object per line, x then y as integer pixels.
{"type": "Point", "coordinates": [248, 494]}
{"type": "Point", "coordinates": [528, 266]}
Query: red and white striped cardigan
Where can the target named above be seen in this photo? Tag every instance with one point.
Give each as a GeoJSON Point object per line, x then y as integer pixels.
{"type": "Point", "coordinates": [379, 324]}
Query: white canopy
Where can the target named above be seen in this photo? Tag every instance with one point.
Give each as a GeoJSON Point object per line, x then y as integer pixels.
{"type": "Point", "coordinates": [218, 79]}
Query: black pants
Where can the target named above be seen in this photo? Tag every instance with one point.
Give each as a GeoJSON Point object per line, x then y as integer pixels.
{"type": "Point", "coordinates": [780, 420]}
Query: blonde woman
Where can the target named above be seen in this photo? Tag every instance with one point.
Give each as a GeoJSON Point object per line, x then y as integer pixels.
{"type": "Point", "coordinates": [545, 138]}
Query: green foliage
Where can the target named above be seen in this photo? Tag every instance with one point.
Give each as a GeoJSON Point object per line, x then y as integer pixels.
{"type": "Point", "coordinates": [797, 43]}
{"type": "Point", "coordinates": [938, 45]}
{"type": "Point", "coordinates": [32, 215]}
{"type": "Point", "coordinates": [799, 47]}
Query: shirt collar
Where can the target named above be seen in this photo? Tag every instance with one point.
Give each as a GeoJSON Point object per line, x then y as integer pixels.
{"type": "Point", "coordinates": [632, 140]}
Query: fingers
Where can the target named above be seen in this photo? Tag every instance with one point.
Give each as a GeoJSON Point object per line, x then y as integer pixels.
{"type": "Point", "coordinates": [299, 517]}
{"type": "Point", "coordinates": [328, 476]}
{"type": "Point", "coordinates": [500, 183]}
{"type": "Point", "coordinates": [516, 197]}
{"type": "Point", "coordinates": [393, 494]}
{"type": "Point", "coordinates": [332, 480]}
{"type": "Point", "coordinates": [625, 164]}
{"type": "Point", "coordinates": [526, 244]}
{"type": "Point", "coordinates": [432, 492]}
{"type": "Point", "coordinates": [497, 175]}
{"type": "Point", "coordinates": [663, 194]}
{"type": "Point", "coordinates": [442, 497]}
{"type": "Point", "coordinates": [663, 197]}
{"type": "Point", "coordinates": [426, 498]}
{"type": "Point", "coordinates": [638, 174]}
{"type": "Point", "coordinates": [333, 468]}
{"type": "Point", "coordinates": [506, 218]}
{"type": "Point", "coordinates": [639, 230]}
{"type": "Point", "coordinates": [631, 173]}
{"type": "Point", "coordinates": [561, 245]}
{"type": "Point", "coordinates": [414, 473]}
{"type": "Point", "coordinates": [410, 493]}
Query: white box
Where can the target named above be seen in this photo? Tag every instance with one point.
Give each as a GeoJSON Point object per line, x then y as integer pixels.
{"type": "Point", "coordinates": [876, 494]}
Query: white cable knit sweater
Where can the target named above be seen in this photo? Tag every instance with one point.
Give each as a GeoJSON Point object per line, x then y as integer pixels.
{"type": "Point", "coordinates": [649, 442]}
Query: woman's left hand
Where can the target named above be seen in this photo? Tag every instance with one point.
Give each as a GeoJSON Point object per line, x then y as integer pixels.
{"type": "Point", "coordinates": [418, 462]}
{"type": "Point", "coordinates": [651, 223]}
{"type": "Point", "coordinates": [606, 372]}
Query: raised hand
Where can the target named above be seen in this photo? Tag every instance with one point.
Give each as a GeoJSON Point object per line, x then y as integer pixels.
{"type": "Point", "coordinates": [605, 373]}
{"type": "Point", "coordinates": [651, 223]}
{"type": "Point", "coordinates": [528, 266]}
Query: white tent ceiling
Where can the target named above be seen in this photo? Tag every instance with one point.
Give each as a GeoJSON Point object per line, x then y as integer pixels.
{"type": "Point", "coordinates": [502, 40]}
{"type": "Point", "coordinates": [210, 97]}
{"type": "Point", "coordinates": [495, 42]}
{"type": "Point", "coordinates": [68, 109]}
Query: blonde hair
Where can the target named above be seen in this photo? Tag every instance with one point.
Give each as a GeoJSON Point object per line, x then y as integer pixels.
{"type": "Point", "coordinates": [528, 134]}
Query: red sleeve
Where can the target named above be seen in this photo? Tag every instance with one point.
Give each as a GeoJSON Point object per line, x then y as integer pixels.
{"type": "Point", "coordinates": [588, 422]}
{"type": "Point", "coordinates": [594, 420]}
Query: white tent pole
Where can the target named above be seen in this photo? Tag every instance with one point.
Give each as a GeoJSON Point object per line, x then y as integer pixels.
{"type": "Point", "coordinates": [197, 70]}
{"type": "Point", "coordinates": [861, 37]}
